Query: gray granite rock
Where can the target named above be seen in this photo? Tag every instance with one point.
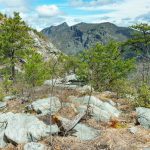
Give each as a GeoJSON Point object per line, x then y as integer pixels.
{"type": "Point", "coordinates": [23, 128]}
{"type": "Point", "coordinates": [34, 146]}
{"type": "Point", "coordinates": [46, 105]}
{"type": "Point", "coordinates": [83, 131]}
{"type": "Point", "coordinates": [143, 116]}
{"type": "Point", "coordinates": [8, 98]}
{"type": "Point", "coordinates": [3, 105]}
{"type": "Point", "coordinates": [2, 132]}
{"type": "Point", "coordinates": [102, 111]}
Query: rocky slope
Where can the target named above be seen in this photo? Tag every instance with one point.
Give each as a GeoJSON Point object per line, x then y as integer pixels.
{"type": "Point", "coordinates": [73, 39]}
{"type": "Point", "coordinates": [44, 46]}
{"type": "Point", "coordinates": [71, 119]}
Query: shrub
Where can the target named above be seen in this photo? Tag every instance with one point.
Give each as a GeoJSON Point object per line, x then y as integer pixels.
{"type": "Point", "coordinates": [34, 70]}
{"type": "Point", "coordinates": [124, 88]}
{"type": "Point", "coordinates": [143, 98]}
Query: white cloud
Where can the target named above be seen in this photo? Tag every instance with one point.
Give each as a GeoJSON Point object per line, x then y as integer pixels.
{"type": "Point", "coordinates": [9, 6]}
{"type": "Point", "coordinates": [36, 17]}
{"type": "Point", "coordinates": [92, 3]}
{"type": "Point", "coordinates": [48, 10]}
{"type": "Point", "coordinates": [13, 3]}
{"type": "Point", "coordinates": [128, 9]}
{"type": "Point", "coordinates": [120, 12]}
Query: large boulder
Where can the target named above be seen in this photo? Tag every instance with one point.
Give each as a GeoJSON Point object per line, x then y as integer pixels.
{"type": "Point", "coordinates": [102, 111]}
{"type": "Point", "coordinates": [46, 105]}
{"type": "Point", "coordinates": [23, 128]}
{"type": "Point", "coordinates": [88, 100]}
{"type": "Point", "coordinates": [34, 146]}
{"type": "Point", "coordinates": [96, 112]}
{"type": "Point", "coordinates": [110, 109]}
{"type": "Point", "coordinates": [143, 116]}
{"type": "Point", "coordinates": [83, 131]}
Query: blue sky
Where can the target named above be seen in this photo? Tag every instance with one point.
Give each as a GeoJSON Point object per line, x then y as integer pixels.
{"type": "Point", "coordinates": [44, 13]}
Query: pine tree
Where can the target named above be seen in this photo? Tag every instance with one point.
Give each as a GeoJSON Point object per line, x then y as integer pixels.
{"type": "Point", "coordinates": [35, 71]}
{"type": "Point", "coordinates": [103, 65]}
{"type": "Point", "coordinates": [140, 40]}
{"type": "Point", "coordinates": [14, 41]}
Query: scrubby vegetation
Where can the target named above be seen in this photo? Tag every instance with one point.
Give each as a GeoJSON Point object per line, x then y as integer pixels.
{"type": "Point", "coordinates": [100, 91]}
{"type": "Point", "coordinates": [104, 67]}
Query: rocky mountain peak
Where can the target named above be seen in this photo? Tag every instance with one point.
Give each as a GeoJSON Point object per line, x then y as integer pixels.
{"type": "Point", "coordinates": [76, 38]}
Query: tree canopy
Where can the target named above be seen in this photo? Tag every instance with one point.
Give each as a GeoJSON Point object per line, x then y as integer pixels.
{"type": "Point", "coordinates": [102, 65]}
{"type": "Point", "coordinates": [15, 41]}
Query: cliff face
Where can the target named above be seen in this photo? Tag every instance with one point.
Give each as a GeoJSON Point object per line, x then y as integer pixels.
{"type": "Point", "coordinates": [74, 39]}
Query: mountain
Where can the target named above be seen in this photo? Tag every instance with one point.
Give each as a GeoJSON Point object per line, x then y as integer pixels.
{"type": "Point", "coordinates": [76, 38]}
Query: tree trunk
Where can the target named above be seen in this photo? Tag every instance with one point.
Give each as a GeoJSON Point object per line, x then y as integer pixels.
{"type": "Point", "coordinates": [12, 66]}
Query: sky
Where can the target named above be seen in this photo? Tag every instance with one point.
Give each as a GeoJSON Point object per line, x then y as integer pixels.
{"type": "Point", "coordinates": [40, 14]}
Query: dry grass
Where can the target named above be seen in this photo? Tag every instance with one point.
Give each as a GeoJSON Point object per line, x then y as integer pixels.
{"type": "Point", "coordinates": [112, 137]}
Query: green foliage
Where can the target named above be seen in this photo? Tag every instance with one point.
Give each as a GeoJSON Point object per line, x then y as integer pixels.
{"type": "Point", "coordinates": [61, 65]}
{"type": "Point", "coordinates": [102, 65]}
{"type": "Point", "coordinates": [7, 83]}
{"type": "Point", "coordinates": [140, 40]}
{"type": "Point", "coordinates": [1, 92]}
{"type": "Point", "coordinates": [14, 41]}
{"type": "Point", "coordinates": [1, 16]}
{"type": "Point", "coordinates": [35, 71]}
{"type": "Point", "coordinates": [143, 98]}
{"type": "Point", "coordinates": [140, 43]}
{"type": "Point", "coordinates": [124, 88]}
{"type": "Point", "coordinates": [69, 63]}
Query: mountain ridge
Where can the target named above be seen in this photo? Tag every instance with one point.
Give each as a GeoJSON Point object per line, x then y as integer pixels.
{"type": "Point", "coordinates": [76, 38]}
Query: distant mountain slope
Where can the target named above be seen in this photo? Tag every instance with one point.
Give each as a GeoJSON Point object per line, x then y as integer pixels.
{"type": "Point", "coordinates": [73, 39]}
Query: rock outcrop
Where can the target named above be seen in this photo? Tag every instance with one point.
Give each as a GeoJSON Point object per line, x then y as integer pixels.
{"type": "Point", "coordinates": [45, 106]}
{"type": "Point", "coordinates": [22, 128]}
{"type": "Point", "coordinates": [44, 46]}
{"type": "Point", "coordinates": [143, 116]}
{"type": "Point", "coordinates": [102, 111]}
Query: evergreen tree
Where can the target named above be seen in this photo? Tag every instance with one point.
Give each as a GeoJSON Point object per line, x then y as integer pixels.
{"type": "Point", "coordinates": [102, 65]}
{"type": "Point", "coordinates": [14, 41]}
{"type": "Point", "coordinates": [35, 71]}
{"type": "Point", "coordinates": [140, 40]}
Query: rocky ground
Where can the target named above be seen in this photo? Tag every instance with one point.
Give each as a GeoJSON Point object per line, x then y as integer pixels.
{"type": "Point", "coordinates": [70, 119]}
